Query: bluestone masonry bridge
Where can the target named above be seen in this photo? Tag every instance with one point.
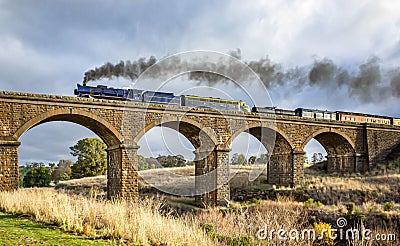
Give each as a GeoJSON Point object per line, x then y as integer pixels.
{"type": "Point", "coordinates": [351, 147]}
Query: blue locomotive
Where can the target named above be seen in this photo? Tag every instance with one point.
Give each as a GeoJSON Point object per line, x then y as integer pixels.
{"type": "Point", "coordinates": [153, 97]}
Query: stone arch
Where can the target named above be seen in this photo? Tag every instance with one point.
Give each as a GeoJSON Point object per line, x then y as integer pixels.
{"type": "Point", "coordinates": [121, 158]}
{"type": "Point", "coordinates": [194, 131]}
{"type": "Point", "coordinates": [258, 130]}
{"type": "Point", "coordinates": [339, 147]}
{"type": "Point", "coordinates": [95, 123]}
{"type": "Point", "coordinates": [334, 141]}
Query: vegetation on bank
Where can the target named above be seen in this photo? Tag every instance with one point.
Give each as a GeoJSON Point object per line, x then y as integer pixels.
{"type": "Point", "coordinates": [140, 222]}
{"type": "Point", "coordinates": [21, 230]}
{"type": "Point", "coordinates": [149, 222]}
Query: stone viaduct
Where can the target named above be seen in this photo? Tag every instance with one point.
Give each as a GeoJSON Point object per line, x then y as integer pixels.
{"type": "Point", "coordinates": [351, 147]}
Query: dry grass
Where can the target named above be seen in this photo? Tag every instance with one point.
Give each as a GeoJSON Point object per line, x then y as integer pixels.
{"type": "Point", "coordinates": [247, 221]}
{"type": "Point", "coordinates": [242, 221]}
{"type": "Point", "coordinates": [367, 183]}
{"type": "Point", "coordinates": [139, 222]}
{"type": "Point", "coordinates": [357, 189]}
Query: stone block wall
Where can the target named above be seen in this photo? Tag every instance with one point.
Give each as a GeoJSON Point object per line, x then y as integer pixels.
{"type": "Point", "coordinates": [9, 173]}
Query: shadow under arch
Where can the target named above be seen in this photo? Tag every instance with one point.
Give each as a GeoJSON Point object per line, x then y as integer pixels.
{"type": "Point", "coordinates": [95, 123]}
{"type": "Point", "coordinates": [339, 147]}
{"type": "Point", "coordinates": [331, 132]}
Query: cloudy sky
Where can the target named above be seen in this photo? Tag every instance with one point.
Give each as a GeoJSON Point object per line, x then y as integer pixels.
{"type": "Point", "coordinates": [46, 46]}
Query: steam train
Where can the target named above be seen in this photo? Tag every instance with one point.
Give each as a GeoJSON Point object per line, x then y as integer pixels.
{"type": "Point", "coordinates": [153, 97]}
{"type": "Point", "coordinates": [330, 115]}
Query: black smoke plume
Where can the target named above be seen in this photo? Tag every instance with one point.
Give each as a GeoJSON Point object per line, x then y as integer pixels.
{"type": "Point", "coordinates": [369, 83]}
{"type": "Point", "coordinates": [126, 69]}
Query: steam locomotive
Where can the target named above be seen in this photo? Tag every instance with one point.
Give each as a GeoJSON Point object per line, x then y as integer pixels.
{"type": "Point", "coordinates": [330, 115]}
{"type": "Point", "coordinates": [153, 97]}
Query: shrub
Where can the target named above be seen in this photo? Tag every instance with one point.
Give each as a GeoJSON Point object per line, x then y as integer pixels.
{"type": "Point", "coordinates": [384, 215]}
{"type": "Point", "coordinates": [310, 203]}
{"type": "Point", "coordinates": [229, 240]}
{"type": "Point", "coordinates": [255, 200]}
{"type": "Point", "coordinates": [372, 209]}
{"type": "Point", "coordinates": [388, 206]}
{"type": "Point", "coordinates": [351, 207]}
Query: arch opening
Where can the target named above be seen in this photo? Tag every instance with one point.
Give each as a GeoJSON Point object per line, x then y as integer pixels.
{"type": "Point", "coordinates": [49, 142]}
{"type": "Point", "coordinates": [248, 161]}
{"type": "Point", "coordinates": [47, 145]}
{"type": "Point", "coordinates": [340, 152]}
{"type": "Point", "coordinates": [102, 129]}
{"type": "Point", "coordinates": [97, 125]}
{"type": "Point", "coordinates": [169, 150]}
{"type": "Point", "coordinates": [278, 170]}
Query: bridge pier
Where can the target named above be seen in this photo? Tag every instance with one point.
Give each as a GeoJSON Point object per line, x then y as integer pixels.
{"type": "Point", "coordinates": [9, 173]}
{"type": "Point", "coordinates": [212, 176]}
{"type": "Point", "coordinates": [280, 169]}
{"type": "Point", "coordinates": [360, 163]}
{"type": "Point", "coordinates": [341, 163]}
{"type": "Point", "coordinates": [347, 163]}
{"type": "Point", "coordinates": [298, 167]}
{"type": "Point", "coordinates": [122, 173]}
{"type": "Point", "coordinates": [286, 169]}
{"type": "Point", "coordinates": [223, 186]}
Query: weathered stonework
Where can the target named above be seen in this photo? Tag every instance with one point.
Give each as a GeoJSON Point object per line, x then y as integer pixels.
{"type": "Point", "coordinates": [350, 146]}
{"type": "Point", "coordinates": [9, 175]}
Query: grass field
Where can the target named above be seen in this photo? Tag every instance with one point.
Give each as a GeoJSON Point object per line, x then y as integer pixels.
{"type": "Point", "coordinates": [21, 230]}
{"type": "Point", "coordinates": [138, 222]}
{"type": "Point", "coordinates": [157, 221]}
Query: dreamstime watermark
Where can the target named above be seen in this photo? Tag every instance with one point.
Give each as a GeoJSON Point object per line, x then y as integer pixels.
{"type": "Point", "coordinates": [340, 233]}
{"type": "Point", "coordinates": [205, 135]}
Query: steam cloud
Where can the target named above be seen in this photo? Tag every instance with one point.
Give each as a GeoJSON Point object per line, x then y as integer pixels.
{"type": "Point", "coordinates": [369, 83]}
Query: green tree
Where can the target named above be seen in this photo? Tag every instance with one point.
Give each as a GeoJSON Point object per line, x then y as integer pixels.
{"type": "Point", "coordinates": [92, 158]}
{"type": "Point", "coordinates": [252, 159]}
{"type": "Point", "coordinates": [64, 176]}
{"type": "Point", "coordinates": [305, 159]}
{"type": "Point", "coordinates": [263, 159]}
{"type": "Point", "coordinates": [37, 177]}
{"type": "Point", "coordinates": [234, 159]}
{"type": "Point", "coordinates": [171, 161]}
{"type": "Point", "coordinates": [22, 172]}
{"type": "Point", "coordinates": [142, 163]}
{"type": "Point", "coordinates": [316, 158]}
{"type": "Point", "coordinates": [242, 160]}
